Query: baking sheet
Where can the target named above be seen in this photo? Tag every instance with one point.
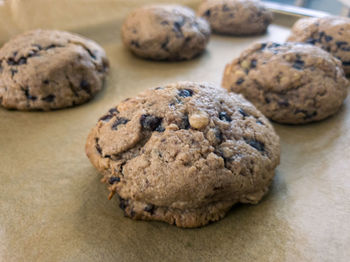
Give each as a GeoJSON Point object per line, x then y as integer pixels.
{"type": "Point", "coordinates": [53, 207]}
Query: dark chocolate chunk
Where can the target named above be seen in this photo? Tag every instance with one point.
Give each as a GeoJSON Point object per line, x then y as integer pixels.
{"type": "Point", "coordinates": [164, 44]}
{"type": "Point", "coordinates": [256, 144]}
{"type": "Point", "coordinates": [49, 98]}
{"type": "Point", "coordinates": [85, 85]}
{"type": "Point", "coordinates": [149, 208]}
{"type": "Point", "coordinates": [185, 93]}
{"type": "Point", "coordinates": [135, 43]}
{"type": "Point", "coordinates": [97, 146]}
{"type": "Point", "coordinates": [267, 100]}
{"type": "Point", "coordinates": [150, 123]}
{"type": "Point", "coordinates": [260, 122]}
{"type": "Point", "coordinates": [113, 179]}
{"type": "Point", "coordinates": [123, 203]}
{"type": "Point", "coordinates": [177, 28]}
{"type": "Point", "coordinates": [242, 112]}
{"type": "Point", "coordinates": [13, 71]}
{"type": "Point", "coordinates": [118, 122]}
{"type": "Point", "coordinates": [263, 46]}
{"type": "Point", "coordinates": [341, 43]}
{"type": "Point", "coordinates": [225, 8]}
{"type": "Point", "coordinates": [158, 88]}
{"type": "Point", "coordinates": [298, 64]}
{"type": "Point", "coordinates": [160, 129]}
{"type": "Point", "coordinates": [106, 118]}
{"type": "Point", "coordinates": [328, 38]}
{"type": "Point", "coordinates": [224, 117]}
{"type": "Point", "coordinates": [307, 115]}
{"type": "Point", "coordinates": [29, 96]}
{"type": "Point", "coordinates": [185, 124]}
{"type": "Point", "coordinates": [311, 41]}
{"type": "Point", "coordinates": [207, 13]}
{"type": "Point", "coordinates": [346, 63]}
{"type": "Point", "coordinates": [253, 63]}
{"type": "Point", "coordinates": [91, 54]}
{"type": "Point", "coordinates": [239, 81]}
{"type": "Point", "coordinates": [218, 135]}
{"type": "Point", "coordinates": [46, 82]}
{"type": "Point", "coordinates": [113, 110]}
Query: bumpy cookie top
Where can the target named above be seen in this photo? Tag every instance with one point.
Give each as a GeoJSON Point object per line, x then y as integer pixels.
{"type": "Point", "coordinates": [236, 17]}
{"type": "Point", "coordinates": [48, 69]}
{"type": "Point", "coordinates": [330, 33]}
{"type": "Point", "coordinates": [290, 83]}
{"type": "Point", "coordinates": [162, 32]}
{"type": "Point", "coordinates": [183, 147]}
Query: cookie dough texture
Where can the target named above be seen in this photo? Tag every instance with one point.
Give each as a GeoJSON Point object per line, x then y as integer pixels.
{"type": "Point", "coordinates": [47, 69]}
{"type": "Point", "coordinates": [184, 153]}
{"type": "Point", "coordinates": [165, 32]}
{"type": "Point", "coordinates": [330, 33]}
{"type": "Point", "coordinates": [290, 83]}
{"type": "Point", "coordinates": [236, 17]}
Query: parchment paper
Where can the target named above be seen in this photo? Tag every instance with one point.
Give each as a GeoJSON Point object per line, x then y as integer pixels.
{"type": "Point", "coordinates": [54, 208]}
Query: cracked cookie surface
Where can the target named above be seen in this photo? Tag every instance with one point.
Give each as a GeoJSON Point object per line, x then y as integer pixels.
{"type": "Point", "coordinates": [184, 153]}
{"type": "Point", "coordinates": [330, 33]}
{"type": "Point", "coordinates": [48, 69]}
{"type": "Point", "coordinates": [165, 32]}
{"type": "Point", "coordinates": [236, 17]}
{"type": "Point", "coordinates": [291, 83]}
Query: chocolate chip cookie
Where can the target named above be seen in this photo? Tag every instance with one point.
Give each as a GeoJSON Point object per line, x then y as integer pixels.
{"type": "Point", "coordinates": [330, 33]}
{"type": "Point", "coordinates": [48, 69]}
{"type": "Point", "coordinates": [236, 17]}
{"type": "Point", "coordinates": [290, 83]}
{"type": "Point", "coordinates": [165, 32]}
{"type": "Point", "coordinates": [184, 153]}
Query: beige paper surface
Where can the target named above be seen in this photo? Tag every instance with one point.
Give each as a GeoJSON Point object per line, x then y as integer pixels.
{"type": "Point", "coordinates": [53, 207]}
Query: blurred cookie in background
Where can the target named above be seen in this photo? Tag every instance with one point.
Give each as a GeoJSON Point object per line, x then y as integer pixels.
{"type": "Point", "coordinates": [236, 17]}
{"type": "Point", "coordinates": [165, 32]}
{"type": "Point", "coordinates": [292, 83]}
{"type": "Point", "coordinates": [330, 33]}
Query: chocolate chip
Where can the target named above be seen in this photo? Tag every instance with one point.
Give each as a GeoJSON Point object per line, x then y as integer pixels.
{"type": "Point", "coordinates": [346, 63]}
{"type": "Point", "coordinates": [267, 100]}
{"type": "Point", "coordinates": [91, 54]}
{"type": "Point", "coordinates": [13, 71]}
{"type": "Point", "coordinates": [185, 93]}
{"type": "Point", "coordinates": [160, 129]}
{"type": "Point", "coordinates": [225, 8]}
{"type": "Point", "coordinates": [123, 203]}
{"type": "Point", "coordinates": [37, 46]}
{"type": "Point", "coordinates": [207, 13]}
{"type": "Point", "coordinates": [46, 82]}
{"type": "Point", "coordinates": [177, 28]}
{"type": "Point", "coordinates": [259, 122]}
{"type": "Point", "coordinates": [263, 46]}
{"type": "Point", "coordinates": [164, 44]}
{"type": "Point", "coordinates": [298, 64]}
{"type": "Point", "coordinates": [311, 41]}
{"type": "Point", "coordinates": [135, 43]}
{"type": "Point", "coordinates": [118, 122]}
{"type": "Point", "coordinates": [97, 146]}
{"type": "Point", "coordinates": [307, 115]}
{"type": "Point", "coordinates": [164, 23]}
{"type": "Point", "coordinates": [51, 46]}
{"type": "Point", "coordinates": [253, 63]}
{"type": "Point", "coordinates": [106, 118]}
{"type": "Point", "coordinates": [113, 179]}
{"type": "Point", "coordinates": [49, 98]}
{"type": "Point", "coordinates": [256, 144]}
{"type": "Point", "coordinates": [242, 112]}
{"type": "Point", "coordinates": [113, 110]}
{"type": "Point", "coordinates": [158, 88]}
{"type": "Point", "coordinates": [85, 85]}
{"type": "Point", "coordinates": [149, 208]}
{"type": "Point", "coordinates": [185, 123]}
{"type": "Point", "coordinates": [28, 96]}
{"type": "Point", "coordinates": [341, 43]}
{"type": "Point", "coordinates": [218, 135]}
{"type": "Point", "coordinates": [22, 61]}
{"type": "Point", "coordinates": [239, 81]}
{"type": "Point", "coordinates": [328, 38]}
{"type": "Point", "coordinates": [224, 117]}
{"type": "Point", "coordinates": [150, 123]}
